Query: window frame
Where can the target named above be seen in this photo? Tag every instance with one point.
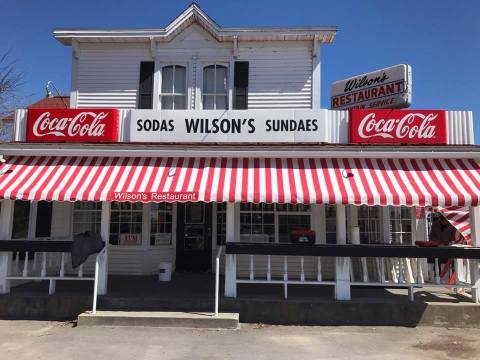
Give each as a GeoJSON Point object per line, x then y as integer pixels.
{"type": "Point", "coordinates": [142, 231]}
{"type": "Point", "coordinates": [74, 210]}
{"type": "Point", "coordinates": [229, 84]}
{"type": "Point", "coordinates": [158, 79]}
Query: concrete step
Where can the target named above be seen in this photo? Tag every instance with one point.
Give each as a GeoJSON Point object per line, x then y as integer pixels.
{"type": "Point", "coordinates": [160, 319]}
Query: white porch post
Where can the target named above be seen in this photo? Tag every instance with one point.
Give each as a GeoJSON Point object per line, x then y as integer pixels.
{"type": "Point", "coordinates": [231, 260]}
{"type": "Point", "coordinates": [474, 271]}
{"type": "Point", "coordinates": [103, 261]}
{"type": "Point", "coordinates": [342, 264]}
{"type": "Point", "coordinates": [6, 223]}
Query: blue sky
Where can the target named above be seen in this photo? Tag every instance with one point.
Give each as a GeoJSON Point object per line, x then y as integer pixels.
{"type": "Point", "coordinates": [439, 39]}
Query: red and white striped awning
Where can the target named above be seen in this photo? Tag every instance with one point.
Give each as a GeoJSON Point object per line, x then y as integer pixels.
{"type": "Point", "coordinates": [412, 182]}
{"type": "Point", "coordinates": [459, 217]}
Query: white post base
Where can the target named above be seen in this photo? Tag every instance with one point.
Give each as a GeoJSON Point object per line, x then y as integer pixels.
{"type": "Point", "coordinates": [5, 261]}
{"type": "Point", "coordinates": [342, 278]}
{"type": "Point", "coordinates": [230, 276]}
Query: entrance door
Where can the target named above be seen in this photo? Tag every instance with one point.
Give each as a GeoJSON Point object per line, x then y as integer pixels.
{"type": "Point", "coordinates": [194, 237]}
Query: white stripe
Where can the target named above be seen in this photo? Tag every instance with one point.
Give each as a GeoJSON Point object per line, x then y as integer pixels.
{"type": "Point", "coordinates": [262, 178]}
{"type": "Point", "coordinates": [443, 181]}
{"type": "Point", "coordinates": [33, 177]}
{"type": "Point", "coordinates": [322, 182]}
{"type": "Point", "coordinates": [215, 180]}
{"type": "Point", "coordinates": [183, 174]}
{"type": "Point", "coordinates": [297, 180]}
{"type": "Point", "coordinates": [336, 188]}
{"type": "Point", "coordinates": [150, 167]}
{"type": "Point", "coordinates": [382, 181]}
{"type": "Point", "coordinates": [395, 183]}
{"type": "Point", "coordinates": [419, 182]}
{"type": "Point", "coordinates": [358, 181]}
{"type": "Point", "coordinates": [286, 183]}
{"type": "Point", "coordinates": [26, 170]}
{"type": "Point", "coordinates": [408, 185]}
{"type": "Point", "coordinates": [99, 179]}
{"type": "Point", "coordinates": [193, 177]}
{"type": "Point", "coordinates": [111, 179]}
{"type": "Point", "coordinates": [85, 167]}
{"type": "Point", "coordinates": [136, 174]}
{"type": "Point", "coordinates": [124, 176]}
{"type": "Point", "coordinates": [66, 178]}
{"type": "Point", "coordinates": [274, 184]}
{"type": "Point", "coordinates": [455, 181]}
{"type": "Point", "coordinates": [464, 176]}
{"type": "Point", "coordinates": [203, 182]}
{"type": "Point", "coordinates": [238, 187]}
{"type": "Point", "coordinates": [93, 171]}
{"type": "Point", "coordinates": [5, 178]}
{"type": "Point", "coordinates": [228, 179]}
{"type": "Point", "coordinates": [59, 173]}
{"type": "Point", "coordinates": [251, 180]}
{"type": "Point", "coordinates": [432, 182]}
{"type": "Point", "coordinates": [310, 184]}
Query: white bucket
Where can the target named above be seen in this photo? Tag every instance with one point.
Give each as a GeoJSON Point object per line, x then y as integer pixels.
{"type": "Point", "coordinates": [165, 271]}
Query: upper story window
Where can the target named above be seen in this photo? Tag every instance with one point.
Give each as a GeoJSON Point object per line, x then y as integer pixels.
{"type": "Point", "coordinates": [215, 87]}
{"type": "Point", "coordinates": [174, 87]}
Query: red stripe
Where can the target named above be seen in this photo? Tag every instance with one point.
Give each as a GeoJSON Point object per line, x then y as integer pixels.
{"type": "Point", "coordinates": [94, 178]}
{"type": "Point", "coordinates": [404, 187]}
{"type": "Point", "coordinates": [353, 184]}
{"type": "Point", "coordinates": [166, 173]}
{"type": "Point", "coordinates": [73, 175]}
{"type": "Point", "coordinates": [198, 180]}
{"type": "Point", "coordinates": [448, 178]}
{"type": "Point", "coordinates": [108, 174]}
{"type": "Point", "coordinates": [458, 176]}
{"type": "Point", "coordinates": [42, 165]}
{"type": "Point", "coordinates": [221, 180]}
{"type": "Point", "coordinates": [425, 182]}
{"type": "Point", "coordinates": [141, 176]}
{"type": "Point", "coordinates": [116, 181]}
{"type": "Point", "coordinates": [303, 180]}
{"type": "Point", "coordinates": [210, 173]}
{"type": "Point", "coordinates": [188, 175]}
{"type": "Point", "coordinates": [176, 175]}
{"type": "Point", "coordinates": [44, 181]}
{"type": "Point", "coordinates": [341, 185]}
{"type": "Point", "coordinates": [268, 181]}
{"type": "Point", "coordinates": [316, 181]}
{"type": "Point", "coordinates": [376, 181]}
{"type": "Point", "coordinates": [413, 182]}
{"type": "Point", "coordinates": [153, 176]}
{"type": "Point", "coordinates": [60, 178]}
{"type": "Point", "coordinates": [328, 182]}
{"type": "Point", "coordinates": [438, 182]}
{"type": "Point", "coordinates": [388, 181]}
{"type": "Point", "coordinates": [233, 180]}
{"type": "Point", "coordinates": [244, 195]}
{"type": "Point", "coordinates": [26, 168]}
{"type": "Point", "coordinates": [281, 194]}
{"type": "Point", "coordinates": [256, 180]}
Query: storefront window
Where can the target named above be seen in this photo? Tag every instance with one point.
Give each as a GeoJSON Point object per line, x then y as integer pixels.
{"type": "Point", "coordinates": [161, 224]}
{"type": "Point", "coordinates": [126, 223]}
{"type": "Point", "coordinates": [21, 217]}
{"type": "Point", "coordinates": [257, 223]}
{"type": "Point", "coordinates": [215, 87]}
{"type": "Point", "coordinates": [401, 225]}
{"type": "Point", "coordinates": [368, 222]}
{"type": "Point", "coordinates": [174, 87]}
{"type": "Point", "coordinates": [87, 217]}
{"type": "Point", "coordinates": [331, 224]}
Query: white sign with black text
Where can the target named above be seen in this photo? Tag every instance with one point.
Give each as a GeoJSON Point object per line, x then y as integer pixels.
{"type": "Point", "coordinates": [228, 126]}
{"type": "Point", "coordinates": [388, 88]}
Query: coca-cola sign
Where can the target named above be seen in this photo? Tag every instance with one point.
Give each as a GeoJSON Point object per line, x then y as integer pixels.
{"type": "Point", "coordinates": [398, 126]}
{"type": "Point", "coordinates": [72, 125]}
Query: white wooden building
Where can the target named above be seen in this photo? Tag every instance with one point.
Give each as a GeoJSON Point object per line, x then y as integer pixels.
{"type": "Point", "coordinates": [263, 77]}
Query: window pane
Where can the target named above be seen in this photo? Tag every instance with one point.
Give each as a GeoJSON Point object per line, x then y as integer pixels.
{"type": "Point", "coordinates": [221, 80]}
{"type": "Point", "coordinates": [167, 79]}
{"type": "Point", "coordinates": [221, 102]}
{"type": "Point", "coordinates": [209, 79]}
{"type": "Point", "coordinates": [180, 103]}
{"type": "Point", "coordinates": [180, 79]}
{"type": "Point", "coordinates": [209, 102]}
{"type": "Point", "coordinates": [167, 102]}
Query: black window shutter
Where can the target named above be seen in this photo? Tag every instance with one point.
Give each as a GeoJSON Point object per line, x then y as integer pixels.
{"type": "Point", "coordinates": [240, 85]}
{"type": "Point", "coordinates": [145, 87]}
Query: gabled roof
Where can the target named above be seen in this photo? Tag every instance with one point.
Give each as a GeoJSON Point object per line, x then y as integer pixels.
{"type": "Point", "coordinates": [194, 14]}
{"type": "Point", "coordinates": [52, 102]}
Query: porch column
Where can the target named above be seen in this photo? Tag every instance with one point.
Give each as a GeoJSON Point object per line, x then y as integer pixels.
{"type": "Point", "coordinates": [342, 264]}
{"type": "Point", "coordinates": [6, 224]}
{"type": "Point", "coordinates": [474, 271]}
{"type": "Point", "coordinates": [231, 260]}
{"type": "Point", "coordinates": [105, 232]}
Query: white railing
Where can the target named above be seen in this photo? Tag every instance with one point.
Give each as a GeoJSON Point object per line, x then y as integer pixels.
{"type": "Point", "coordinates": [217, 277]}
{"type": "Point", "coordinates": [408, 273]}
{"type": "Point", "coordinates": [286, 278]}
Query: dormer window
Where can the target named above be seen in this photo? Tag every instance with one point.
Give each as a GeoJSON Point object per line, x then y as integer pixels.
{"type": "Point", "coordinates": [215, 87]}
{"type": "Point", "coordinates": [174, 87]}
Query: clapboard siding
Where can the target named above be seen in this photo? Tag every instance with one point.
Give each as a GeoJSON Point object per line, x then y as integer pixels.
{"type": "Point", "coordinates": [107, 74]}
{"type": "Point", "coordinates": [280, 74]}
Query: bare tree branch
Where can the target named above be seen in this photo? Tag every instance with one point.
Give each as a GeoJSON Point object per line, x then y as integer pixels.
{"type": "Point", "coordinates": [10, 82]}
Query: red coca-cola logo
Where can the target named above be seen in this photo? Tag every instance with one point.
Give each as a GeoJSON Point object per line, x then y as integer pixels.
{"type": "Point", "coordinates": [72, 125]}
{"type": "Point", "coordinates": [389, 126]}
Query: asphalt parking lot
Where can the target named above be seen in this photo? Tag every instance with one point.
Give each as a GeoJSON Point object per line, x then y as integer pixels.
{"type": "Point", "coordinates": [63, 340]}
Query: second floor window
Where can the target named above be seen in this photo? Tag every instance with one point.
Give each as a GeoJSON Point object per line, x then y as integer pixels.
{"type": "Point", "coordinates": [174, 87]}
{"type": "Point", "coordinates": [215, 87]}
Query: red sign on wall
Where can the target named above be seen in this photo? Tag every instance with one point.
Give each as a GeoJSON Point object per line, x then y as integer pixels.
{"type": "Point", "coordinates": [388, 126]}
{"type": "Point", "coordinates": [72, 125]}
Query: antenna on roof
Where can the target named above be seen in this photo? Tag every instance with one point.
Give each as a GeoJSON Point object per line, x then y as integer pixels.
{"type": "Point", "coordinates": [49, 92]}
